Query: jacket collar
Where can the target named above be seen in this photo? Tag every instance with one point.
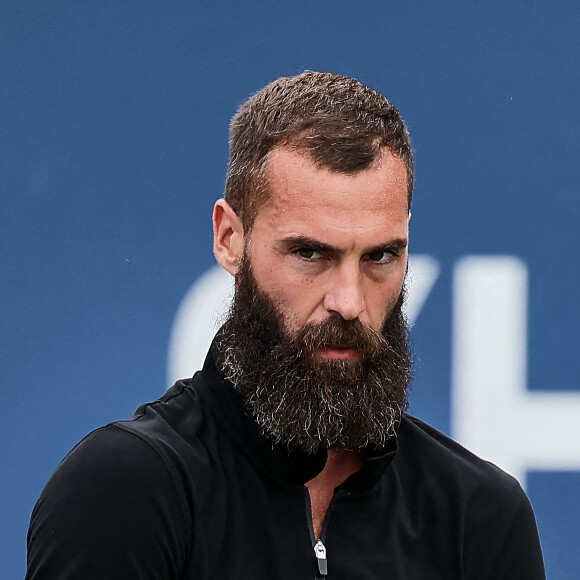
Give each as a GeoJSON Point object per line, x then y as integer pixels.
{"type": "Point", "coordinates": [275, 460]}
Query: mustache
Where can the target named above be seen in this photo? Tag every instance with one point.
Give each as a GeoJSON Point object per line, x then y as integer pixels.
{"type": "Point", "coordinates": [335, 332]}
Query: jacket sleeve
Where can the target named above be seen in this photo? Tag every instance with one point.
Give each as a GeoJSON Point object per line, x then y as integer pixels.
{"type": "Point", "coordinates": [520, 554]}
{"type": "Point", "coordinates": [112, 510]}
{"type": "Point", "coordinates": [504, 543]}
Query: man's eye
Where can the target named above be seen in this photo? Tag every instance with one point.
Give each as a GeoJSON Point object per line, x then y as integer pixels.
{"type": "Point", "coordinates": [380, 256]}
{"type": "Point", "coordinates": [308, 253]}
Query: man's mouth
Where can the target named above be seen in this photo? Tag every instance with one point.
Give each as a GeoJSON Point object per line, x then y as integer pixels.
{"type": "Point", "coordinates": [338, 353]}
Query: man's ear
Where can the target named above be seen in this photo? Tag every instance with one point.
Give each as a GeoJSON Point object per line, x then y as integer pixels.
{"type": "Point", "coordinates": [228, 236]}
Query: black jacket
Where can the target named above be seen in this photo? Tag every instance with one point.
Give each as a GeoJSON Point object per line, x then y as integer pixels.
{"type": "Point", "coordinates": [189, 489]}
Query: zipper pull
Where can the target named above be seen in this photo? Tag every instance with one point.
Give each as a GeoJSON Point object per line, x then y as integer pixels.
{"type": "Point", "coordinates": [320, 553]}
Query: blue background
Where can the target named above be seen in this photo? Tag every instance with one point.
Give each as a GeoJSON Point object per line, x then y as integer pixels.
{"type": "Point", "coordinates": [114, 120]}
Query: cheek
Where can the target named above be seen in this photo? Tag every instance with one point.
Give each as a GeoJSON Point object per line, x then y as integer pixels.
{"type": "Point", "coordinates": [299, 298]}
{"type": "Point", "coordinates": [299, 302]}
{"type": "Point", "coordinates": [380, 303]}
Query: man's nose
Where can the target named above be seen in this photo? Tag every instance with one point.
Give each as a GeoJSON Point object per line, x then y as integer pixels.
{"type": "Point", "coordinates": [345, 295]}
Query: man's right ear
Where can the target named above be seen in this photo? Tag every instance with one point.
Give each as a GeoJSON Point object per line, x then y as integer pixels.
{"type": "Point", "coordinates": [228, 236]}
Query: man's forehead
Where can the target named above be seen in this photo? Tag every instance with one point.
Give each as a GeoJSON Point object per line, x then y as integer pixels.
{"type": "Point", "coordinates": [333, 213]}
{"type": "Point", "coordinates": [294, 179]}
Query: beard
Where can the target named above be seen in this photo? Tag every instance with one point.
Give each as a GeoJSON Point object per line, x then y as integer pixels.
{"type": "Point", "coordinates": [301, 399]}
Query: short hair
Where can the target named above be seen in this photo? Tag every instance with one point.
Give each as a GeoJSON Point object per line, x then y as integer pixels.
{"type": "Point", "coordinates": [339, 122]}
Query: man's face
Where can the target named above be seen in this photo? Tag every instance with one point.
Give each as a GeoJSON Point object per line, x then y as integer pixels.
{"type": "Point", "coordinates": [316, 340]}
{"type": "Point", "coordinates": [328, 244]}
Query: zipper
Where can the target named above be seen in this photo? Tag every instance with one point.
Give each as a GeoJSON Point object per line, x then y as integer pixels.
{"type": "Point", "coordinates": [318, 543]}
{"type": "Point", "coordinates": [320, 553]}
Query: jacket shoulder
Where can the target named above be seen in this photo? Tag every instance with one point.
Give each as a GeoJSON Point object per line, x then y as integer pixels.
{"type": "Point", "coordinates": [446, 458]}
{"type": "Point", "coordinates": [499, 533]}
{"type": "Point", "coordinates": [113, 494]}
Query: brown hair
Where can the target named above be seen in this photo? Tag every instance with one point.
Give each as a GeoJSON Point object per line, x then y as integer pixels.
{"type": "Point", "coordinates": [339, 122]}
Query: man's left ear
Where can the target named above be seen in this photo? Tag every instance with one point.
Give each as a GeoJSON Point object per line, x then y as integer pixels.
{"type": "Point", "coordinates": [228, 236]}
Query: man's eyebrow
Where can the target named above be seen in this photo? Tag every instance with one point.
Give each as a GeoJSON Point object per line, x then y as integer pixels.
{"type": "Point", "coordinates": [395, 245]}
{"type": "Point", "coordinates": [306, 242]}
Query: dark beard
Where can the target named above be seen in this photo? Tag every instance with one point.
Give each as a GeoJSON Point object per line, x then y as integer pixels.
{"type": "Point", "coordinates": [306, 401]}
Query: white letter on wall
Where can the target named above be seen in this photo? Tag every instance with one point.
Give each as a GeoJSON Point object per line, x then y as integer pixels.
{"type": "Point", "coordinates": [493, 413]}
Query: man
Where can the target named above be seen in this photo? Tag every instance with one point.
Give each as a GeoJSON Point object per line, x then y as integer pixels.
{"type": "Point", "coordinates": [290, 455]}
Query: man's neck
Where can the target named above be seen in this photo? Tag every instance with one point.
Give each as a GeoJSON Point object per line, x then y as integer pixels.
{"type": "Point", "coordinates": [341, 464]}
